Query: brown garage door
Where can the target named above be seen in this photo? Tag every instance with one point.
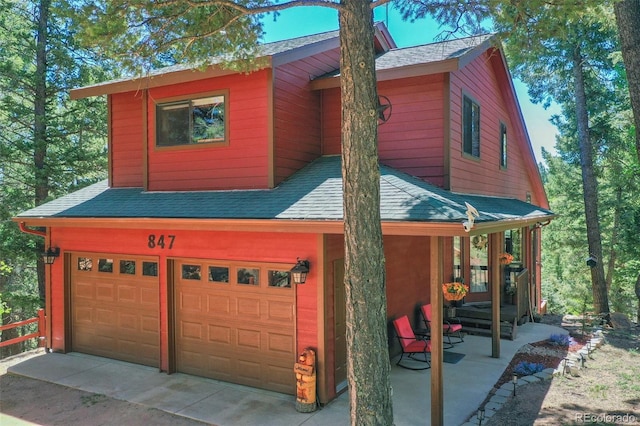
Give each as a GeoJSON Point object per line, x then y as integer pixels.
{"type": "Point", "coordinates": [235, 322]}
{"type": "Point", "coordinates": [114, 307]}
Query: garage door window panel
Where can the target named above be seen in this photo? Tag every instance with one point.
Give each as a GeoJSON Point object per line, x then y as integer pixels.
{"type": "Point", "coordinates": [279, 279]}
{"type": "Point", "coordinates": [150, 269]}
{"type": "Point", "coordinates": [219, 274]}
{"type": "Point", "coordinates": [191, 272]}
{"type": "Point", "coordinates": [105, 265]}
{"type": "Point", "coordinates": [85, 264]}
{"type": "Point", "coordinates": [249, 276]}
{"type": "Point", "coordinates": [128, 267]}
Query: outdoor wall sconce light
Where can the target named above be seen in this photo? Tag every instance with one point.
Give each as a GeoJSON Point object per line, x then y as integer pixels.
{"type": "Point", "coordinates": [300, 271]}
{"type": "Point", "coordinates": [480, 416]}
{"type": "Point", "coordinates": [50, 255]}
{"type": "Point", "coordinates": [515, 383]}
{"type": "Point", "coordinates": [592, 261]}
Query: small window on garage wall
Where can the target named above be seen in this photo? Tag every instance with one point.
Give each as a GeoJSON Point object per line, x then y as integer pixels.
{"type": "Point", "coordinates": [219, 274]}
{"type": "Point", "coordinates": [191, 272]}
{"type": "Point", "coordinates": [249, 276]}
{"type": "Point", "coordinates": [279, 278]}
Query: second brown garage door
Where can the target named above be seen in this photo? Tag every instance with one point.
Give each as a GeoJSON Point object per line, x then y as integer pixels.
{"type": "Point", "coordinates": [235, 322]}
{"type": "Point", "coordinates": [115, 307]}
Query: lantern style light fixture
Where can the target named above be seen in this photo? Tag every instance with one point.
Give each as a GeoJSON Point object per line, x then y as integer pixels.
{"type": "Point", "coordinates": [50, 255]}
{"type": "Point", "coordinates": [592, 261]}
{"type": "Point", "coordinates": [300, 271]}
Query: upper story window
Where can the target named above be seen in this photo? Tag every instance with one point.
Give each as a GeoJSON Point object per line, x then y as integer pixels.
{"type": "Point", "coordinates": [471, 127]}
{"type": "Point", "coordinates": [191, 121]}
{"type": "Point", "coordinates": [503, 145]}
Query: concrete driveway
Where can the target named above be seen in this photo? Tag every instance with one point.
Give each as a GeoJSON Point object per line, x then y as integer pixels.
{"type": "Point", "coordinates": [467, 382]}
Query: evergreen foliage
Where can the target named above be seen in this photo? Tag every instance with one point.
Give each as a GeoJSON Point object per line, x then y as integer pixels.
{"type": "Point", "coordinates": [67, 150]}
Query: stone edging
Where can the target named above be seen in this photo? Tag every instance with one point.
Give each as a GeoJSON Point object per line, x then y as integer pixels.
{"type": "Point", "coordinates": [570, 365]}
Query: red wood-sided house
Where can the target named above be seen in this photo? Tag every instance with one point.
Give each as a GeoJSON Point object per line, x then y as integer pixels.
{"type": "Point", "coordinates": [219, 181]}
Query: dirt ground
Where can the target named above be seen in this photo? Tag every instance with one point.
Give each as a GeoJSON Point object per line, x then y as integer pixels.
{"type": "Point", "coordinates": [605, 392]}
{"type": "Point", "coordinates": [27, 401]}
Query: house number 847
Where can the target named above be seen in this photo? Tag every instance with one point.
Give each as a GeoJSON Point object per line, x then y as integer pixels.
{"type": "Point", "coordinates": [155, 241]}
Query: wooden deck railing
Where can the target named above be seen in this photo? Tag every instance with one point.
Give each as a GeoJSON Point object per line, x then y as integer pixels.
{"type": "Point", "coordinates": [38, 334]}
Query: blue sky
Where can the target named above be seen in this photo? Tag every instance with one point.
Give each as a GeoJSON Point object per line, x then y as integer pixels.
{"type": "Point", "coordinates": [300, 21]}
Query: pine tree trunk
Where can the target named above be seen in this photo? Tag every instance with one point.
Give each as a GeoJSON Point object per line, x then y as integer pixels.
{"type": "Point", "coordinates": [40, 124]}
{"type": "Point", "coordinates": [613, 255]}
{"type": "Point", "coordinates": [368, 365]}
{"type": "Point", "coordinates": [628, 21]}
{"type": "Point", "coordinates": [590, 188]}
{"type": "Point", "coordinates": [638, 296]}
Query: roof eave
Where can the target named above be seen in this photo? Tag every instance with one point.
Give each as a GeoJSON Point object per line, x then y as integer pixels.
{"type": "Point", "coordinates": [154, 80]}
{"type": "Point", "coordinates": [414, 228]}
{"type": "Point", "coordinates": [408, 71]}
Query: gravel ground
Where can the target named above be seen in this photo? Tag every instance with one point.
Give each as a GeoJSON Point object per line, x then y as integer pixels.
{"type": "Point", "coordinates": [605, 392]}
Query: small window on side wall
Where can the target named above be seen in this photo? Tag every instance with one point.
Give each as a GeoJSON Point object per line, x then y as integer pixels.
{"type": "Point", "coordinates": [503, 145]}
{"type": "Point", "coordinates": [470, 127]}
{"type": "Point", "coordinates": [191, 121]}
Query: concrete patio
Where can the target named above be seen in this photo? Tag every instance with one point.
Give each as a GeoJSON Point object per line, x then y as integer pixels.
{"type": "Point", "coordinates": [467, 382]}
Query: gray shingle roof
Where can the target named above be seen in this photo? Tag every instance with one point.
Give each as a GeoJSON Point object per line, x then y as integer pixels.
{"type": "Point", "coordinates": [314, 193]}
{"type": "Point", "coordinates": [427, 53]}
{"type": "Point", "coordinates": [424, 54]}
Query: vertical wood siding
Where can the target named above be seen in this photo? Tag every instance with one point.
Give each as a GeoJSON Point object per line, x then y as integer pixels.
{"type": "Point", "coordinates": [297, 112]}
{"type": "Point", "coordinates": [480, 81]}
{"type": "Point", "coordinates": [242, 164]}
{"type": "Point", "coordinates": [242, 246]}
{"type": "Point", "coordinates": [126, 139]}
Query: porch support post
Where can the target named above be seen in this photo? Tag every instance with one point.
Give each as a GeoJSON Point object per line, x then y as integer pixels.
{"type": "Point", "coordinates": [495, 245]}
{"type": "Point", "coordinates": [435, 281]}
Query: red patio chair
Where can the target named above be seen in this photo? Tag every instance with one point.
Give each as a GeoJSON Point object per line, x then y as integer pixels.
{"type": "Point", "coordinates": [411, 344]}
{"type": "Point", "coordinates": [448, 329]}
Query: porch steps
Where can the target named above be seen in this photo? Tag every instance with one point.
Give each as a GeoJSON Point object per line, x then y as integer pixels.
{"type": "Point", "coordinates": [508, 330]}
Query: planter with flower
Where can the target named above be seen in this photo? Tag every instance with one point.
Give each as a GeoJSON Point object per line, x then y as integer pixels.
{"type": "Point", "coordinates": [505, 258]}
{"type": "Point", "coordinates": [454, 292]}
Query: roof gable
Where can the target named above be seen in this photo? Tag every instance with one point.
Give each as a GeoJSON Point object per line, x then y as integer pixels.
{"type": "Point", "coordinates": [445, 56]}
{"type": "Point", "coordinates": [275, 53]}
{"type": "Point", "coordinates": [297, 47]}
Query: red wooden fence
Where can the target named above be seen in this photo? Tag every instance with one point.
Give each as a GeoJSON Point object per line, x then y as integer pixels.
{"type": "Point", "coordinates": [38, 334]}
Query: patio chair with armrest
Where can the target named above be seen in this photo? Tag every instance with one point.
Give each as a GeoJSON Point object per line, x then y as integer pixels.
{"type": "Point", "coordinates": [449, 328]}
{"type": "Point", "coordinates": [411, 345]}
